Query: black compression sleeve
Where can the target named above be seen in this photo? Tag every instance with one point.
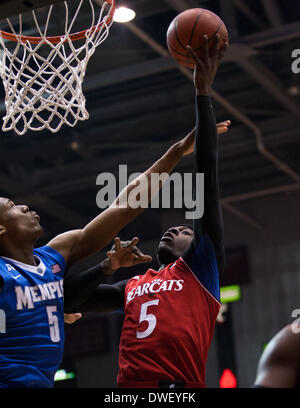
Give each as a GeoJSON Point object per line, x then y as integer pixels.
{"type": "Point", "coordinates": [106, 298]}
{"type": "Point", "coordinates": [79, 286]}
{"type": "Point", "coordinates": [206, 161]}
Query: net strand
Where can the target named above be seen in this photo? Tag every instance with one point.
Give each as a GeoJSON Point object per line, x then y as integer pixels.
{"type": "Point", "coordinates": [45, 91]}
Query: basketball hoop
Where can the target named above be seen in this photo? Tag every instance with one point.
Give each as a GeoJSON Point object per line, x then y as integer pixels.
{"type": "Point", "coordinates": [43, 75]}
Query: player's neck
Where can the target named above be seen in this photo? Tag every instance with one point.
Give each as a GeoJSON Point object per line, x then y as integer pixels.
{"type": "Point", "coordinates": [24, 254]}
{"type": "Point", "coordinates": [163, 265]}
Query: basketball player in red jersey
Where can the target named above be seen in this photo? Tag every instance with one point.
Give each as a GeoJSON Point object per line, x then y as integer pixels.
{"type": "Point", "coordinates": [279, 366]}
{"type": "Point", "coordinates": [170, 314]}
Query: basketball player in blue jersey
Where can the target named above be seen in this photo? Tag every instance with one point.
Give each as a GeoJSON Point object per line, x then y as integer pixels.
{"type": "Point", "coordinates": [31, 280]}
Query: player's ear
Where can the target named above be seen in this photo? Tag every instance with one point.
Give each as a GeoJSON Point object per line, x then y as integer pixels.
{"type": "Point", "coordinates": [2, 230]}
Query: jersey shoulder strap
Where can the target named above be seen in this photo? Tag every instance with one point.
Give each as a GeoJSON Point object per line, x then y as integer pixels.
{"type": "Point", "coordinates": [52, 259]}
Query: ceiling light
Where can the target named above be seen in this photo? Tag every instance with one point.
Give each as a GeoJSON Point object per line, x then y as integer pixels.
{"type": "Point", "coordinates": [123, 15]}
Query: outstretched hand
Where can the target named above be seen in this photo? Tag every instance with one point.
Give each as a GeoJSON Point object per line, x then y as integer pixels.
{"type": "Point", "coordinates": [207, 66]}
{"type": "Point", "coordinates": [125, 254]}
{"type": "Point", "coordinates": [189, 141]}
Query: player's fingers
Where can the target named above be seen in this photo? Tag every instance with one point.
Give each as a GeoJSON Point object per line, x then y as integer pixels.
{"type": "Point", "coordinates": [142, 259]}
{"type": "Point", "coordinates": [133, 242]}
{"type": "Point", "coordinates": [222, 51]}
{"type": "Point", "coordinates": [224, 123]}
{"type": "Point", "coordinates": [117, 244]}
{"type": "Point", "coordinates": [188, 51]}
{"type": "Point", "coordinates": [71, 318]}
{"type": "Point", "coordinates": [222, 129]}
{"type": "Point", "coordinates": [215, 47]}
{"type": "Point", "coordinates": [139, 255]}
{"type": "Point", "coordinates": [137, 251]}
{"type": "Point", "coordinates": [205, 50]}
{"type": "Point", "coordinates": [197, 60]}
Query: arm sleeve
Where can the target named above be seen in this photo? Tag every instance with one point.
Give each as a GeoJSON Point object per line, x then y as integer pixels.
{"type": "Point", "coordinates": [208, 230]}
{"type": "Point", "coordinates": [106, 298]}
{"type": "Point", "coordinates": [202, 261]}
{"type": "Point", "coordinates": [79, 286]}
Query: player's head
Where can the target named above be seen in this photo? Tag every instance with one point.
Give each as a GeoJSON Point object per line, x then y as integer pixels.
{"type": "Point", "coordinates": [18, 223]}
{"type": "Point", "coordinates": [174, 243]}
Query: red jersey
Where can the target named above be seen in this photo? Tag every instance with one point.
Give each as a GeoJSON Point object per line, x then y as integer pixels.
{"type": "Point", "coordinates": [169, 322]}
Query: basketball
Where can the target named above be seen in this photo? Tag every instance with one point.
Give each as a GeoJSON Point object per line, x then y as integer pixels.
{"type": "Point", "coordinates": [188, 28]}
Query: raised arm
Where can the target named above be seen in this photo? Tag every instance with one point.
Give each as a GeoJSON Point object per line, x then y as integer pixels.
{"type": "Point", "coordinates": [78, 244]}
{"type": "Point", "coordinates": [206, 149]}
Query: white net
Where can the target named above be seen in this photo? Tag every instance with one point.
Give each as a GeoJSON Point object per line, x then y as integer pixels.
{"type": "Point", "coordinates": [43, 80]}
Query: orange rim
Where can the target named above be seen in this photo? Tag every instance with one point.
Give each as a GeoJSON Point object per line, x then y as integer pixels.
{"type": "Point", "coordinates": [57, 39]}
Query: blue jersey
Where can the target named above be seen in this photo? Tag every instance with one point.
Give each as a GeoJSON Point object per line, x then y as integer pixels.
{"type": "Point", "coordinates": [32, 333]}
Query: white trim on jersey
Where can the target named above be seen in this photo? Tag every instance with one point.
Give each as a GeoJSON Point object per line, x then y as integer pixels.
{"type": "Point", "coordinates": [39, 270]}
{"type": "Point", "coordinates": [200, 282]}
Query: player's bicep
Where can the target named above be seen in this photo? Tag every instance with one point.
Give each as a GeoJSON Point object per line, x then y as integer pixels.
{"type": "Point", "coordinates": [66, 243]}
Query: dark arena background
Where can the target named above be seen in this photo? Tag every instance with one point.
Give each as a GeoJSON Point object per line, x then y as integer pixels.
{"type": "Point", "coordinates": [140, 102]}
